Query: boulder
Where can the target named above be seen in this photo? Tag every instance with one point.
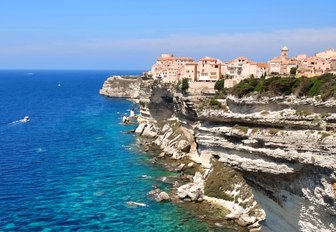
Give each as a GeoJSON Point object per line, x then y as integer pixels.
{"type": "Point", "coordinates": [183, 146]}
{"type": "Point", "coordinates": [177, 155]}
{"type": "Point", "coordinates": [162, 196]}
{"type": "Point", "coordinates": [154, 192]}
{"type": "Point", "coordinates": [161, 155]}
{"type": "Point", "coordinates": [193, 191]}
{"type": "Point", "coordinates": [139, 130]}
{"type": "Point", "coordinates": [165, 128]}
{"type": "Point", "coordinates": [149, 131]}
{"type": "Point", "coordinates": [190, 165]}
{"type": "Point", "coordinates": [180, 168]}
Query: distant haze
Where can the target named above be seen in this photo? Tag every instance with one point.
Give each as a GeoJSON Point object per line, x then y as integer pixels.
{"type": "Point", "coordinates": [114, 35]}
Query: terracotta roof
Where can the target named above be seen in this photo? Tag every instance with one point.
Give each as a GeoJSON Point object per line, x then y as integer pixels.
{"type": "Point", "coordinates": [276, 60]}
{"type": "Point", "coordinates": [333, 58]}
{"type": "Point", "coordinates": [191, 63]}
{"type": "Point", "coordinates": [241, 58]}
{"type": "Point", "coordinates": [176, 58]}
{"type": "Point", "coordinates": [184, 58]}
{"type": "Point", "coordinates": [262, 65]}
{"type": "Point", "coordinates": [252, 62]}
{"type": "Point", "coordinates": [207, 58]}
{"type": "Point", "coordinates": [310, 59]}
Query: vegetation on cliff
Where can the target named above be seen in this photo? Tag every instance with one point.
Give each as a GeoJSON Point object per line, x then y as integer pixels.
{"type": "Point", "coordinates": [324, 85]}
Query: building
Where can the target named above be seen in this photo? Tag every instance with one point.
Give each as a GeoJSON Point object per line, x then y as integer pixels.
{"type": "Point", "coordinates": [333, 64]}
{"type": "Point", "coordinates": [190, 71]}
{"type": "Point", "coordinates": [170, 68]}
{"type": "Point", "coordinates": [209, 69]}
{"type": "Point", "coordinates": [313, 66]}
{"type": "Point", "coordinates": [326, 54]}
{"type": "Point", "coordinates": [242, 68]}
{"type": "Point", "coordinates": [282, 64]}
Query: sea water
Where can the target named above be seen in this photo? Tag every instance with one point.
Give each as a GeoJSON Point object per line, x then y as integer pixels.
{"type": "Point", "coordinates": [73, 167]}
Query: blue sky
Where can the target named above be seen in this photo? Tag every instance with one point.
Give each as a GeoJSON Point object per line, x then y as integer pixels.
{"type": "Point", "coordinates": [119, 34]}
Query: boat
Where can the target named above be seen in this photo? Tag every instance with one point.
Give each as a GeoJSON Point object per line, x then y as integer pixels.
{"type": "Point", "coordinates": [25, 119]}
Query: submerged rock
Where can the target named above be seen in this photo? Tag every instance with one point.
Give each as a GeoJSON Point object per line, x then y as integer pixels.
{"type": "Point", "coordinates": [133, 203]}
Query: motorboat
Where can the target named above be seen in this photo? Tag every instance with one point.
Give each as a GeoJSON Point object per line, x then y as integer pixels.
{"type": "Point", "coordinates": [25, 119]}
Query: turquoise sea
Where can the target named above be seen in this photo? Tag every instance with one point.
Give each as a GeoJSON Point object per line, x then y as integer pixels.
{"type": "Point", "coordinates": [72, 167]}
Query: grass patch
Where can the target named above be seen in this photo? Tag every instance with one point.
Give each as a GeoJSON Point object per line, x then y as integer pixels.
{"type": "Point", "coordinates": [303, 113]}
{"type": "Point", "coordinates": [220, 180]}
{"type": "Point", "coordinates": [323, 135]}
{"type": "Point", "coordinates": [243, 129]}
{"type": "Point", "coordinates": [273, 131]}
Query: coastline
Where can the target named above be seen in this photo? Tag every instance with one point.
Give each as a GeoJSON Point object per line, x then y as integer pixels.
{"type": "Point", "coordinates": [240, 146]}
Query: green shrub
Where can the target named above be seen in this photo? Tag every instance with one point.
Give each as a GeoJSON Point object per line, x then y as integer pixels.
{"type": "Point", "coordinates": [273, 131]}
{"type": "Point", "coordinates": [243, 129]}
{"type": "Point", "coordinates": [324, 85]}
{"type": "Point", "coordinates": [214, 102]}
{"type": "Point", "coordinates": [219, 85]}
{"type": "Point", "coordinates": [185, 84]}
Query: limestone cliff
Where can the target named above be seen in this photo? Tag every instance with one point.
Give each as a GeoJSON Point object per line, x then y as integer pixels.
{"type": "Point", "coordinates": [282, 148]}
{"type": "Point", "coordinates": [117, 86]}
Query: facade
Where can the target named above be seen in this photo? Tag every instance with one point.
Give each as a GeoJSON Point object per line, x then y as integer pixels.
{"type": "Point", "coordinates": [190, 71]}
{"type": "Point", "coordinates": [333, 64]}
{"type": "Point", "coordinates": [209, 69]}
{"type": "Point", "coordinates": [313, 66]}
{"type": "Point", "coordinates": [326, 54]}
{"type": "Point", "coordinates": [242, 68]}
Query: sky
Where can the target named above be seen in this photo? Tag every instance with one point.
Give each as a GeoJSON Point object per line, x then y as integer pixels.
{"type": "Point", "coordinates": [131, 34]}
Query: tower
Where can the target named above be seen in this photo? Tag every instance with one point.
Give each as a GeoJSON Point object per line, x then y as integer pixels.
{"type": "Point", "coordinates": [284, 53]}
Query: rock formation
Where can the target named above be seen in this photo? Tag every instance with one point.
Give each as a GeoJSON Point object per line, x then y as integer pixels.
{"type": "Point", "coordinates": [280, 151]}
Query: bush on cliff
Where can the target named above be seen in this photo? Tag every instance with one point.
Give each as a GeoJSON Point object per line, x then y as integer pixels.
{"type": "Point", "coordinates": [324, 85]}
{"type": "Point", "coordinates": [219, 85]}
{"type": "Point", "coordinates": [185, 84]}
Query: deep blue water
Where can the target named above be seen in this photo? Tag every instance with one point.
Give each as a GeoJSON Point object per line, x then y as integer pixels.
{"type": "Point", "coordinates": [71, 167]}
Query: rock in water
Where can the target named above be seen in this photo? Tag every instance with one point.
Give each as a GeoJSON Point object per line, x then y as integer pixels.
{"type": "Point", "coordinates": [163, 196]}
{"type": "Point", "coordinates": [132, 114]}
{"type": "Point", "coordinates": [133, 203]}
{"type": "Point", "coordinates": [139, 130]}
{"type": "Point", "coordinates": [125, 119]}
{"type": "Point", "coordinates": [193, 191]}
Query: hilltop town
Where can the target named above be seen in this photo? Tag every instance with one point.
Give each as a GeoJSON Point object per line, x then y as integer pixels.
{"type": "Point", "coordinates": [172, 69]}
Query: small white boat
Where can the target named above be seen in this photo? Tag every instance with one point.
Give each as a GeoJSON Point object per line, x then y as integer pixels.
{"type": "Point", "coordinates": [59, 84]}
{"type": "Point", "coordinates": [25, 119]}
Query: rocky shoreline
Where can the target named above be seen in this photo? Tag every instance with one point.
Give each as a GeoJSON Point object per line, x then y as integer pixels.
{"type": "Point", "coordinates": [267, 164]}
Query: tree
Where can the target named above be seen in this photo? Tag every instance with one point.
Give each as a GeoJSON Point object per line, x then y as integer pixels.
{"type": "Point", "coordinates": [185, 84]}
{"type": "Point", "coordinates": [293, 71]}
{"type": "Point", "coordinates": [219, 85]}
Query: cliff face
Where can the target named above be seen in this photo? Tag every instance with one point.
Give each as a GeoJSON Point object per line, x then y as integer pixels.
{"type": "Point", "coordinates": [287, 156]}
{"type": "Point", "coordinates": [117, 86]}
{"type": "Point", "coordinates": [283, 148]}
